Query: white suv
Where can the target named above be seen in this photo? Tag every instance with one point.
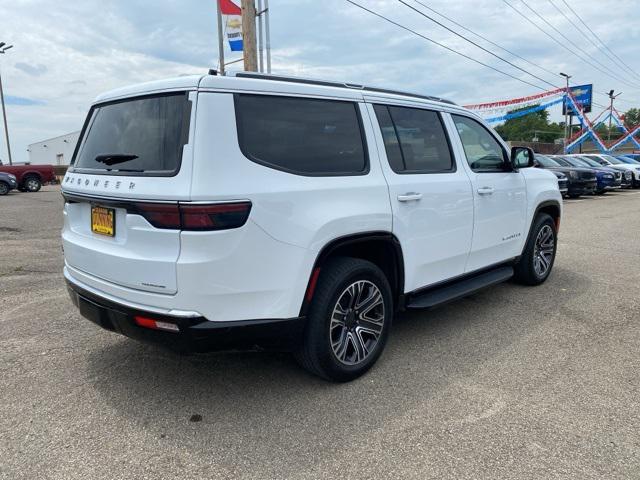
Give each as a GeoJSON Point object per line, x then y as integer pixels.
{"type": "Point", "coordinates": [215, 212]}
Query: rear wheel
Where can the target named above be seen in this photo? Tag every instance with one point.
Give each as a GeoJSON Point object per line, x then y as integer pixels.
{"type": "Point", "coordinates": [536, 262]}
{"type": "Point", "coordinates": [32, 184]}
{"type": "Point", "coordinates": [348, 320]}
{"type": "Point", "coordinates": [4, 188]}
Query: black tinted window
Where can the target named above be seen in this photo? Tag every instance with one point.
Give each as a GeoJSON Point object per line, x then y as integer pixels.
{"type": "Point", "coordinates": [484, 153]}
{"type": "Point", "coordinates": [417, 137]}
{"type": "Point", "coordinates": [138, 136]}
{"type": "Point", "coordinates": [301, 135]}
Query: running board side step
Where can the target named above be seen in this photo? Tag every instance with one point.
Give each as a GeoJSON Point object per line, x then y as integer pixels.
{"type": "Point", "coordinates": [458, 289]}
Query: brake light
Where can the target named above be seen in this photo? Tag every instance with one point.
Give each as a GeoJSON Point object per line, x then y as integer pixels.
{"type": "Point", "coordinates": [218, 216]}
{"type": "Point", "coordinates": [155, 324]}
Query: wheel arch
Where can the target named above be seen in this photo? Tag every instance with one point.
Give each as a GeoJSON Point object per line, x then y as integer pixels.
{"type": "Point", "coordinates": [379, 247]}
{"type": "Point", "coordinates": [551, 208]}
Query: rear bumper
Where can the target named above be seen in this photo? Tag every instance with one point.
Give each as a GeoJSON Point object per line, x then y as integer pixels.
{"type": "Point", "coordinates": [196, 334]}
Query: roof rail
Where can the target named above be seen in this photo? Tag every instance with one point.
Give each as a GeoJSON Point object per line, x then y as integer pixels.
{"type": "Point", "coordinates": [325, 83]}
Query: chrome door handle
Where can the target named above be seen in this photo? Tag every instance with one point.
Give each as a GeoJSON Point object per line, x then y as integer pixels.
{"type": "Point", "coordinates": [485, 190]}
{"type": "Point", "coordinates": [409, 197]}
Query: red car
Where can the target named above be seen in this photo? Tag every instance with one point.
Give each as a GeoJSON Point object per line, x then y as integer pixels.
{"type": "Point", "coordinates": [30, 177]}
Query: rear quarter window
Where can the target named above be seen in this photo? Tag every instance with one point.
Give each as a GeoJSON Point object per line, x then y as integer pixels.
{"type": "Point", "coordinates": [300, 135]}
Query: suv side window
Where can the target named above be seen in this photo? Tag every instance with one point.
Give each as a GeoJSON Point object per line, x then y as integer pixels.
{"type": "Point", "coordinates": [415, 140]}
{"type": "Point", "coordinates": [301, 135]}
{"type": "Point", "coordinates": [484, 153]}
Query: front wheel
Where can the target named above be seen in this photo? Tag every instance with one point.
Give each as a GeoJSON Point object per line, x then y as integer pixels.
{"type": "Point", "coordinates": [4, 188]}
{"type": "Point", "coordinates": [348, 320]}
{"type": "Point", "coordinates": [539, 254]}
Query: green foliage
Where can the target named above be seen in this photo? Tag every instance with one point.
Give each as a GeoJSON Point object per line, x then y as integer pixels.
{"type": "Point", "coordinates": [632, 117]}
{"type": "Point", "coordinates": [532, 125]}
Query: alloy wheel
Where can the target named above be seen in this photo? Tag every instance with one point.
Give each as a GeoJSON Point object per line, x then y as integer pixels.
{"type": "Point", "coordinates": [544, 250]}
{"type": "Point", "coordinates": [32, 184]}
{"type": "Point", "coordinates": [357, 322]}
{"type": "Point", "coordinates": [3, 189]}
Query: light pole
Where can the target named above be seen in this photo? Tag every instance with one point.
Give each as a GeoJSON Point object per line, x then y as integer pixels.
{"type": "Point", "coordinates": [566, 110]}
{"type": "Point", "coordinates": [3, 50]}
{"type": "Point", "coordinates": [612, 97]}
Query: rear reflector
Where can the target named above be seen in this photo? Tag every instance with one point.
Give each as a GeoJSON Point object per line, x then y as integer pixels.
{"type": "Point", "coordinates": [217, 216]}
{"type": "Point", "coordinates": [155, 324]}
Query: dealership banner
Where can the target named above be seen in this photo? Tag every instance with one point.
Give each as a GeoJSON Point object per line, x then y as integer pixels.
{"type": "Point", "coordinates": [582, 95]}
{"type": "Point", "coordinates": [232, 15]}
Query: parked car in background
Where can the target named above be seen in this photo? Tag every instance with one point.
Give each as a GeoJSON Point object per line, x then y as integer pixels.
{"type": "Point", "coordinates": [610, 161]}
{"type": "Point", "coordinates": [581, 181]}
{"type": "Point", "coordinates": [30, 178]}
{"type": "Point", "coordinates": [627, 175]}
{"type": "Point", "coordinates": [630, 161]}
{"type": "Point", "coordinates": [633, 156]}
{"type": "Point", "coordinates": [607, 178]}
{"type": "Point", "coordinates": [563, 182]}
{"type": "Point", "coordinates": [8, 182]}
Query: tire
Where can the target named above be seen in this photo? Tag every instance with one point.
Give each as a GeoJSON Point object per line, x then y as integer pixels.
{"type": "Point", "coordinates": [528, 270]}
{"type": "Point", "coordinates": [4, 188]}
{"type": "Point", "coordinates": [340, 346]}
{"type": "Point", "coordinates": [32, 183]}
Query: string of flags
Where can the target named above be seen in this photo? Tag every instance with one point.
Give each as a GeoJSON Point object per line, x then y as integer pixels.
{"type": "Point", "coordinates": [574, 103]}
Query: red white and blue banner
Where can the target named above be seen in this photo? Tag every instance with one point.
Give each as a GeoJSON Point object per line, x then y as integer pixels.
{"type": "Point", "coordinates": [232, 15]}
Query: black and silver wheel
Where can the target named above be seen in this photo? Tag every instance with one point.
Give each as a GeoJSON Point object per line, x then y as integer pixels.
{"type": "Point", "coordinates": [348, 320]}
{"type": "Point", "coordinates": [4, 188]}
{"type": "Point", "coordinates": [32, 184]}
{"type": "Point", "coordinates": [536, 261]}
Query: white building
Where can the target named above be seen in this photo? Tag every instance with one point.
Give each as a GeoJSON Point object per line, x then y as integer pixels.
{"type": "Point", "coordinates": [53, 151]}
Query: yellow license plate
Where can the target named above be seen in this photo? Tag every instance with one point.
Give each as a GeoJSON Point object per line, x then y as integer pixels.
{"type": "Point", "coordinates": [103, 221]}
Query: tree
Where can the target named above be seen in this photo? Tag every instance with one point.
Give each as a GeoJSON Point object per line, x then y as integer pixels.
{"type": "Point", "coordinates": [632, 117]}
{"type": "Point", "coordinates": [530, 126]}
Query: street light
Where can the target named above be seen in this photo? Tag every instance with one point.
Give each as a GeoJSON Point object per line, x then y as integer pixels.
{"type": "Point", "coordinates": [612, 97]}
{"type": "Point", "coordinates": [3, 49]}
{"type": "Point", "coordinates": [566, 111]}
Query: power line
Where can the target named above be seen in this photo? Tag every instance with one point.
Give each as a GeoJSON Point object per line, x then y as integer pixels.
{"type": "Point", "coordinates": [589, 39]}
{"type": "Point", "coordinates": [444, 46]}
{"type": "Point", "coordinates": [476, 44]}
{"type": "Point", "coordinates": [577, 47]}
{"type": "Point", "coordinates": [599, 39]}
{"type": "Point", "coordinates": [560, 43]}
{"type": "Point", "coordinates": [486, 39]}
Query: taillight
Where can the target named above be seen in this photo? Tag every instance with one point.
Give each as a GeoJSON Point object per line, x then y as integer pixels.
{"type": "Point", "coordinates": [218, 216]}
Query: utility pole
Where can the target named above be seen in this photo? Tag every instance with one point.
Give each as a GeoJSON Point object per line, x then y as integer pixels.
{"type": "Point", "coordinates": [249, 36]}
{"type": "Point", "coordinates": [261, 36]}
{"type": "Point", "coordinates": [612, 97]}
{"type": "Point", "coordinates": [3, 50]}
{"type": "Point", "coordinates": [267, 13]}
{"type": "Point", "coordinates": [566, 110]}
{"type": "Point", "coordinates": [220, 40]}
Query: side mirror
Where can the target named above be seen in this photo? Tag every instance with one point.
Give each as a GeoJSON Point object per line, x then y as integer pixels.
{"type": "Point", "coordinates": [522, 157]}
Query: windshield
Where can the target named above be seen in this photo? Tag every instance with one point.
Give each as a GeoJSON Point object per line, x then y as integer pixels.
{"type": "Point", "coordinates": [561, 161]}
{"type": "Point", "coordinates": [574, 162]}
{"type": "Point", "coordinates": [579, 162]}
{"type": "Point", "coordinates": [628, 160]}
{"type": "Point", "coordinates": [142, 136]}
{"type": "Point", "coordinates": [613, 160]}
{"type": "Point", "coordinates": [590, 162]}
{"type": "Point", "coordinates": [546, 161]}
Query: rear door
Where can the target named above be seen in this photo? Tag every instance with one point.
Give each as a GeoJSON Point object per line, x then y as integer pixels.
{"type": "Point", "coordinates": [500, 201]}
{"type": "Point", "coordinates": [430, 195]}
{"type": "Point", "coordinates": [133, 153]}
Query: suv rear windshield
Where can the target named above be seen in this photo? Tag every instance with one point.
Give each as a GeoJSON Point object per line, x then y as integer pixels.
{"type": "Point", "coordinates": [140, 136]}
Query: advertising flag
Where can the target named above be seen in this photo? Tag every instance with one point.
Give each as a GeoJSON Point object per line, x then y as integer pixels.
{"type": "Point", "coordinates": [233, 24]}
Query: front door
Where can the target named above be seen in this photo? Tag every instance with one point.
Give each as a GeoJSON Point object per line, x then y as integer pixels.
{"type": "Point", "coordinates": [500, 201]}
{"type": "Point", "coordinates": [430, 194]}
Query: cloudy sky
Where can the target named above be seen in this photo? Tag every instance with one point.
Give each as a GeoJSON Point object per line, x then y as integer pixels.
{"type": "Point", "coordinates": [65, 53]}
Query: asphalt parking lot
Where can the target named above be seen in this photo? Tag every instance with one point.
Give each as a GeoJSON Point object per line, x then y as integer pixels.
{"type": "Point", "coordinates": [512, 382]}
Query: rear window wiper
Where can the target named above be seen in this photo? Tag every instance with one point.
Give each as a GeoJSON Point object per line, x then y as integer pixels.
{"type": "Point", "coordinates": [114, 158]}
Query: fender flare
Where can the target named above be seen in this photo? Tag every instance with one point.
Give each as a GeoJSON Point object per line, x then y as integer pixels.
{"type": "Point", "coordinates": [541, 205]}
{"type": "Point", "coordinates": [329, 248]}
